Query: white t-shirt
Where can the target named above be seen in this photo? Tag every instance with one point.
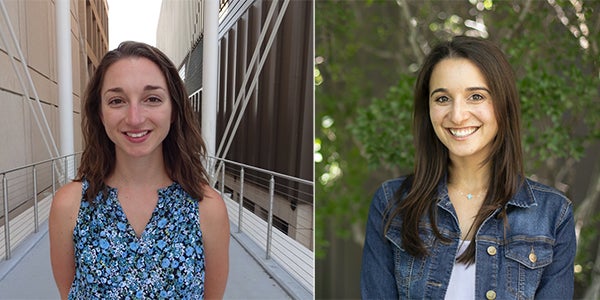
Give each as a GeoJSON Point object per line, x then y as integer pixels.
{"type": "Point", "coordinates": [462, 278]}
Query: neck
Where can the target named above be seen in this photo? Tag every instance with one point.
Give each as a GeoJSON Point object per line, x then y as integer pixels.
{"type": "Point", "coordinates": [145, 171]}
{"type": "Point", "coordinates": [469, 176]}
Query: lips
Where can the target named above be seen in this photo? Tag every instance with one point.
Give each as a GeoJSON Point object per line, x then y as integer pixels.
{"type": "Point", "coordinates": [137, 134]}
{"type": "Point", "coordinates": [462, 132]}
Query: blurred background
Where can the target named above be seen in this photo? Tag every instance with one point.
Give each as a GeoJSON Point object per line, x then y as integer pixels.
{"type": "Point", "coordinates": [366, 57]}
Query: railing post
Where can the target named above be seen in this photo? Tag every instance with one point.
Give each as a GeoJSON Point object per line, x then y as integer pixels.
{"type": "Point", "coordinates": [35, 200]}
{"type": "Point", "coordinates": [71, 163]}
{"type": "Point", "coordinates": [210, 170]}
{"type": "Point", "coordinates": [53, 177]}
{"type": "Point", "coordinates": [212, 167]}
{"type": "Point", "coordinates": [74, 165]}
{"type": "Point", "coordinates": [241, 199]}
{"type": "Point", "coordinates": [270, 219]}
{"type": "Point", "coordinates": [66, 172]}
{"type": "Point", "coordinates": [6, 218]}
{"type": "Point", "coordinates": [223, 179]}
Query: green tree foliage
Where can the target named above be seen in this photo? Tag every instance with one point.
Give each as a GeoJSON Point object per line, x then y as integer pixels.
{"type": "Point", "coordinates": [367, 56]}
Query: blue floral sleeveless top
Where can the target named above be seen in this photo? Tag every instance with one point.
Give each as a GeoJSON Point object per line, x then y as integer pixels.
{"type": "Point", "coordinates": [111, 262]}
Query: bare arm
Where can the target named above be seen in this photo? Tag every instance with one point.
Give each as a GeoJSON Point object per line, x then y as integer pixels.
{"type": "Point", "coordinates": [63, 216]}
{"type": "Point", "coordinates": [214, 223]}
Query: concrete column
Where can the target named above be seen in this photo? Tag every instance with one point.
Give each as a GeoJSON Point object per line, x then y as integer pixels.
{"type": "Point", "coordinates": [210, 59]}
{"type": "Point", "coordinates": [65, 79]}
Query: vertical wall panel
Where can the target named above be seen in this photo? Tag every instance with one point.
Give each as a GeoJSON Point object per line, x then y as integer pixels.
{"type": "Point", "coordinates": [277, 128]}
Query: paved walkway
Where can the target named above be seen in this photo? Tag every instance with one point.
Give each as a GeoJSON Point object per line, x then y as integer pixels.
{"type": "Point", "coordinates": [31, 277]}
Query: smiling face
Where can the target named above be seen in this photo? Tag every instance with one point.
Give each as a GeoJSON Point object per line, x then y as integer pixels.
{"type": "Point", "coordinates": [136, 107]}
{"type": "Point", "coordinates": [461, 109]}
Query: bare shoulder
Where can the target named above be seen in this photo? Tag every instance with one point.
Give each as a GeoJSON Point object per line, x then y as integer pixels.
{"type": "Point", "coordinates": [211, 193]}
{"type": "Point", "coordinates": [212, 201]}
{"type": "Point", "coordinates": [67, 200]}
{"type": "Point", "coordinates": [68, 193]}
{"type": "Point", "coordinates": [213, 211]}
{"type": "Point", "coordinates": [71, 189]}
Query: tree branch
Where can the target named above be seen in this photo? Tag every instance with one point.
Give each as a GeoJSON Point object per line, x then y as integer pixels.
{"type": "Point", "coordinates": [587, 206]}
{"type": "Point", "coordinates": [567, 167]}
{"type": "Point", "coordinates": [583, 213]}
{"type": "Point", "coordinates": [521, 19]}
{"type": "Point", "coordinates": [593, 290]}
{"type": "Point", "coordinates": [412, 38]}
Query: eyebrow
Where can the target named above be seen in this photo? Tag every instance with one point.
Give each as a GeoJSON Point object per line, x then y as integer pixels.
{"type": "Point", "coordinates": [470, 89]}
{"type": "Point", "coordinates": [146, 88]}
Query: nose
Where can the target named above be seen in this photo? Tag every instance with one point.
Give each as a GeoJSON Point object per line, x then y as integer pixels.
{"type": "Point", "coordinates": [135, 115]}
{"type": "Point", "coordinates": [459, 112]}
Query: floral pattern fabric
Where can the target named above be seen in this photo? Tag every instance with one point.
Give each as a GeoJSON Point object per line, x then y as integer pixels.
{"type": "Point", "coordinates": [165, 262]}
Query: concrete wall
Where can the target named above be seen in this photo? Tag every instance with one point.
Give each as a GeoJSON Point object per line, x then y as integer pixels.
{"type": "Point", "coordinates": [179, 26]}
{"type": "Point", "coordinates": [34, 25]}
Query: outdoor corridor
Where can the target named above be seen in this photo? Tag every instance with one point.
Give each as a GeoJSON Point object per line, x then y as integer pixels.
{"type": "Point", "coordinates": [28, 275]}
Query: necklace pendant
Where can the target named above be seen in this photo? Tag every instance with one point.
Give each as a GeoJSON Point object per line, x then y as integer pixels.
{"type": "Point", "coordinates": [469, 196]}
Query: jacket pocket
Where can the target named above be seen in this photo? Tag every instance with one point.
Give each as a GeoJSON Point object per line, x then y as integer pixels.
{"type": "Point", "coordinates": [526, 258]}
{"type": "Point", "coordinates": [410, 271]}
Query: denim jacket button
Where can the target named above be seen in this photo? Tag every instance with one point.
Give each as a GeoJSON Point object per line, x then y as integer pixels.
{"type": "Point", "coordinates": [491, 250]}
{"type": "Point", "coordinates": [490, 295]}
{"type": "Point", "coordinates": [532, 257]}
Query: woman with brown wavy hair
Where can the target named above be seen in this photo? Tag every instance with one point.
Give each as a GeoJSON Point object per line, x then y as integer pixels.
{"type": "Point", "coordinates": [140, 220]}
{"type": "Point", "coordinates": [467, 224]}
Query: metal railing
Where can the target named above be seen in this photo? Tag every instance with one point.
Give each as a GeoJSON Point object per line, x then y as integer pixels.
{"type": "Point", "coordinates": [255, 197]}
{"type": "Point", "coordinates": [23, 190]}
{"type": "Point", "coordinates": [274, 210]}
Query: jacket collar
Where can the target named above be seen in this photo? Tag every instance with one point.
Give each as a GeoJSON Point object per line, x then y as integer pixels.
{"type": "Point", "coordinates": [524, 196]}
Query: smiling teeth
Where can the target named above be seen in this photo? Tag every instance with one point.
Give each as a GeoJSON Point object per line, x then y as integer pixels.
{"type": "Point", "coordinates": [137, 135]}
{"type": "Point", "coordinates": [463, 132]}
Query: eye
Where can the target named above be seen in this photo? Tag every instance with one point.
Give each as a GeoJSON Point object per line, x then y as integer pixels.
{"type": "Point", "coordinates": [153, 100]}
{"type": "Point", "coordinates": [115, 101]}
{"type": "Point", "coordinates": [441, 99]}
{"type": "Point", "coordinates": [477, 97]}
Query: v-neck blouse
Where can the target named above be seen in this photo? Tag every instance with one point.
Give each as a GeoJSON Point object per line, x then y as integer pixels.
{"type": "Point", "coordinates": [166, 261]}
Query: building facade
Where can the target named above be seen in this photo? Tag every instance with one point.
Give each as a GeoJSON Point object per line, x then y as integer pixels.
{"type": "Point", "coordinates": [33, 26]}
{"type": "Point", "coordinates": [29, 88]}
{"type": "Point", "coordinates": [265, 65]}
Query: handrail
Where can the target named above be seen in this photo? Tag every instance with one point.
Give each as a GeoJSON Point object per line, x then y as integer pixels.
{"type": "Point", "coordinates": [38, 163]}
{"type": "Point", "coordinates": [288, 177]}
{"type": "Point", "coordinates": [21, 197]}
{"type": "Point", "coordinates": [295, 252]}
{"type": "Point", "coordinates": [290, 248]}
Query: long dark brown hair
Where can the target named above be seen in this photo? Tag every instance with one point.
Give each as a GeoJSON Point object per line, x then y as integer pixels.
{"type": "Point", "coordinates": [183, 147]}
{"type": "Point", "coordinates": [417, 198]}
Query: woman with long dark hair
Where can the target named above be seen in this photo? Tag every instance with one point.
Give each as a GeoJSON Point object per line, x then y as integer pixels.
{"type": "Point", "coordinates": [141, 220]}
{"type": "Point", "coordinates": [467, 223]}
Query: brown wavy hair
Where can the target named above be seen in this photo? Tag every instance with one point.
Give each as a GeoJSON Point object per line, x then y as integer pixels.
{"type": "Point", "coordinates": [417, 198]}
{"type": "Point", "coordinates": [183, 147]}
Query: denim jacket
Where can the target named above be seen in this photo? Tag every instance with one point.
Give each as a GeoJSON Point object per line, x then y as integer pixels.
{"type": "Point", "coordinates": [533, 261]}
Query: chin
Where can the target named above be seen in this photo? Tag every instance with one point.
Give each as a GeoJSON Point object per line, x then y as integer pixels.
{"type": "Point", "coordinates": [466, 154]}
